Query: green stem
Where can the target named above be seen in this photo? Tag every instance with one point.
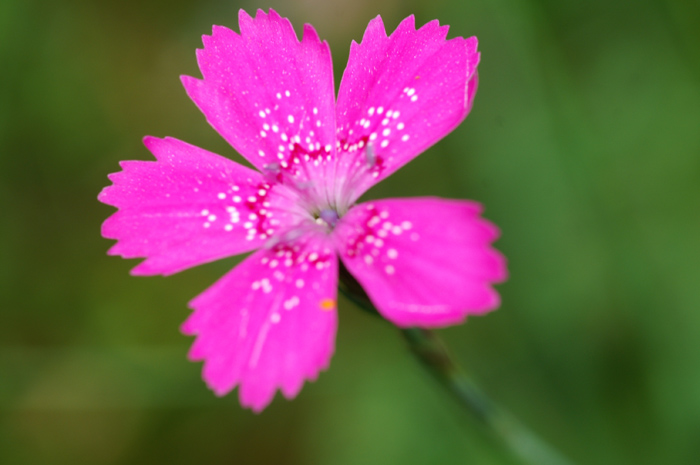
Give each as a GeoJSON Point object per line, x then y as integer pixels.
{"type": "Point", "coordinates": [433, 354]}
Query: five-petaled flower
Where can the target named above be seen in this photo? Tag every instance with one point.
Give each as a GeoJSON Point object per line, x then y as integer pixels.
{"type": "Point", "coordinates": [270, 322]}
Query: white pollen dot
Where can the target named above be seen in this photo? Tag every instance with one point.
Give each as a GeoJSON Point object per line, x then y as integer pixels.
{"type": "Point", "coordinates": [279, 95]}
{"type": "Point", "coordinates": [406, 225]}
{"type": "Point", "coordinates": [386, 132]}
{"type": "Point", "coordinates": [400, 126]}
{"type": "Point", "coordinates": [411, 92]}
{"type": "Point", "coordinates": [275, 318]}
{"type": "Point", "coordinates": [313, 256]}
{"type": "Point", "coordinates": [228, 227]}
{"type": "Point", "coordinates": [284, 137]}
{"type": "Point", "coordinates": [266, 127]}
{"type": "Point", "coordinates": [370, 112]}
{"type": "Point", "coordinates": [247, 225]}
{"type": "Point", "coordinates": [275, 128]}
{"type": "Point", "coordinates": [380, 110]}
{"type": "Point", "coordinates": [206, 225]}
{"type": "Point", "coordinates": [318, 123]}
{"type": "Point", "coordinates": [261, 153]}
{"type": "Point", "coordinates": [221, 195]}
{"type": "Point", "coordinates": [236, 188]}
{"type": "Point", "coordinates": [327, 148]}
{"type": "Point", "coordinates": [286, 92]}
{"type": "Point", "coordinates": [384, 215]}
{"type": "Point", "coordinates": [396, 114]}
{"type": "Point", "coordinates": [274, 263]}
{"type": "Point", "coordinates": [405, 137]}
{"type": "Point", "coordinates": [290, 118]}
{"type": "Point", "coordinates": [373, 136]}
{"type": "Point", "coordinates": [262, 114]}
{"type": "Point", "coordinates": [385, 121]}
{"type": "Point", "coordinates": [397, 230]}
{"type": "Point", "coordinates": [315, 111]}
{"type": "Point", "coordinates": [392, 253]}
{"type": "Point", "coordinates": [251, 199]}
{"type": "Point", "coordinates": [300, 283]}
{"type": "Point", "coordinates": [384, 143]}
{"type": "Point", "coordinates": [252, 216]}
{"type": "Point", "coordinates": [236, 198]}
{"type": "Point", "coordinates": [211, 217]}
{"type": "Point", "coordinates": [262, 192]}
{"type": "Point", "coordinates": [382, 233]}
{"type": "Point", "coordinates": [205, 212]}
{"type": "Point", "coordinates": [263, 134]}
{"type": "Point", "coordinates": [368, 259]}
{"type": "Point", "coordinates": [389, 269]}
{"type": "Point", "coordinates": [414, 98]}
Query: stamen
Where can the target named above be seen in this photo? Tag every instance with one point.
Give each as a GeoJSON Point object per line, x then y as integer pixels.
{"type": "Point", "coordinates": [329, 216]}
{"type": "Point", "coordinates": [371, 156]}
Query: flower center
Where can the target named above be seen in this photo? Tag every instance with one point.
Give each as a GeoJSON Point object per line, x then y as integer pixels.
{"type": "Point", "coordinates": [327, 217]}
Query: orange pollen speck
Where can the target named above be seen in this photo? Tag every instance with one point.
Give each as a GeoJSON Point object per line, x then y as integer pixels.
{"type": "Point", "coordinates": [327, 304]}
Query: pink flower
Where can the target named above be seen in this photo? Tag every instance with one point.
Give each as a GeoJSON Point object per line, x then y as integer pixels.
{"type": "Point", "coordinates": [270, 323]}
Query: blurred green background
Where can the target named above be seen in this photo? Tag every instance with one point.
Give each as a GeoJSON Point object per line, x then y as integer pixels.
{"type": "Point", "coordinates": [584, 145]}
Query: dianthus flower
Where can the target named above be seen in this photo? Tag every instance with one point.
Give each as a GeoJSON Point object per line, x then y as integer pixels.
{"type": "Point", "coordinates": [271, 321]}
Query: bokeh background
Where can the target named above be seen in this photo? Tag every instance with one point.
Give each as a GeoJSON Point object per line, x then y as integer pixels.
{"type": "Point", "coordinates": [584, 145]}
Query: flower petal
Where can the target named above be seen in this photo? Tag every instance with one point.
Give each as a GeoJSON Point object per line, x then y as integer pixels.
{"type": "Point", "coordinates": [269, 323]}
{"type": "Point", "coordinates": [423, 262]}
{"type": "Point", "coordinates": [268, 94]}
{"type": "Point", "coordinates": [401, 94]}
{"type": "Point", "coordinates": [188, 207]}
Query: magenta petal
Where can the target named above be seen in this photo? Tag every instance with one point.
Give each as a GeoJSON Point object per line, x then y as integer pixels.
{"type": "Point", "coordinates": [188, 207]}
{"type": "Point", "coordinates": [265, 91]}
{"type": "Point", "coordinates": [423, 262]}
{"type": "Point", "coordinates": [269, 323]}
{"type": "Point", "coordinates": [401, 94]}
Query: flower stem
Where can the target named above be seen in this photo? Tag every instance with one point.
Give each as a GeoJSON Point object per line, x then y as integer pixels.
{"type": "Point", "coordinates": [433, 354]}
